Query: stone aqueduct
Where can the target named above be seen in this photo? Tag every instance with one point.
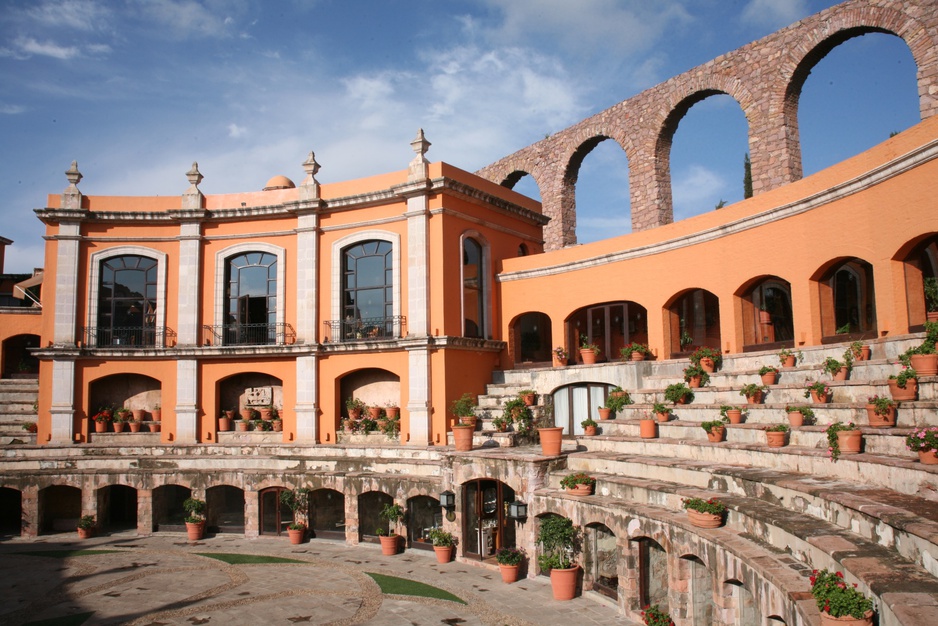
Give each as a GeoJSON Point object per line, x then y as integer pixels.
{"type": "Point", "coordinates": [764, 77]}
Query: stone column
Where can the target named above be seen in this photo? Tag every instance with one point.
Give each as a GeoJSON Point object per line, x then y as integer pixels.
{"type": "Point", "coordinates": [144, 512]}
{"type": "Point", "coordinates": [352, 522]}
{"type": "Point", "coordinates": [29, 515]}
{"type": "Point", "coordinates": [307, 409]}
{"type": "Point", "coordinates": [187, 394]}
{"type": "Point", "coordinates": [418, 405]}
{"type": "Point", "coordinates": [62, 409]}
{"type": "Point", "coordinates": [251, 514]}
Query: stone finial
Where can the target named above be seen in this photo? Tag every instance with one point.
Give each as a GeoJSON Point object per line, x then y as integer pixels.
{"type": "Point", "coordinates": [309, 190]}
{"type": "Point", "coordinates": [71, 197]}
{"type": "Point", "coordinates": [418, 167]}
{"type": "Point", "coordinates": [194, 175]}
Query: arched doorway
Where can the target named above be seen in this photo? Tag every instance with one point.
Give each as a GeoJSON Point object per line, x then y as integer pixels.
{"type": "Point", "coordinates": [16, 358]}
{"type": "Point", "coordinates": [652, 573]}
{"type": "Point", "coordinates": [224, 506]}
{"type": "Point", "coordinates": [486, 525]}
{"type": "Point", "coordinates": [11, 512]}
{"type": "Point", "coordinates": [767, 315]}
{"type": "Point", "coordinates": [168, 514]}
{"type": "Point", "coordinates": [423, 514]}
{"type": "Point", "coordinates": [275, 516]}
{"type": "Point", "coordinates": [370, 504]}
{"type": "Point", "coordinates": [694, 321]}
{"type": "Point", "coordinates": [117, 507]}
{"type": "Point", "coordinates": [327, 514]}
{"type": "Point", "coordinates": [920, 263]}
{"type": "Point", "coordinates": [601, 560]}
{"type": "Point", "coordinates": [848, 303]}
{"type": "Point", "coordinates": [59, 508]}
{"type": "Point", "coordinates": [611, 326]}
{"type": "Point", "coordinates": [531, 333]}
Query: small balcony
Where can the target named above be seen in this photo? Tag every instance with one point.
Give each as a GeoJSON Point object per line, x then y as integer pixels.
{"type": "Point", "coordinates": [364, 329]}
{"type": "Point", "coordinates": [128, 337]}
{"type": "Point", "coordinates": [279, 334]}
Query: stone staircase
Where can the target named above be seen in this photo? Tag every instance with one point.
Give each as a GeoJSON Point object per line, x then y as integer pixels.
{"type": "Point", "coordinates": [872, 515]}
{"type": "Point", "coordinates": [17, 398]}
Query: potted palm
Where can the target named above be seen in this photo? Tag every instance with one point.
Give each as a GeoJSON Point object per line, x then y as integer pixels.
{"type": "Point", "coordinates": [297, 500]}
{"type": "Point", "coordinates": [443, 543]}
{"type": "Point", "coordinates": [705, 513]}
{"type": "Point", "coordinates": [509, 563]}
{"type": "Point", "coordinates": [839, 601]}
{"type": "Point", "coordinates": [559, 542]}
{"type": "Point", "coordinates": [924, 441]}
{"type": "Point", "coordinates": [881, 411]}
{"type": "Point", "coordinates": [195, 520]}
{"type": "Point", "coordinates": [775, 435]}
{"type": "Point", "coordinates": [86, 527]}
{"type": "Point", "coordinates": [393, 514]}
{"type": "Point", "coordinates": [754, 393]}
{"type": "Point", "coordinates": [843, 439]}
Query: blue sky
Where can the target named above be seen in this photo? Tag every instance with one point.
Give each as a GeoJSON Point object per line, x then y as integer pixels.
{"type": "Point", "coordinates": [136, 90]}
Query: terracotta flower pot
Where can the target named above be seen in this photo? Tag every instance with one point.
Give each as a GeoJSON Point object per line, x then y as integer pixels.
{"type": "Point", "coordinates": [195, 531]}
{"type": "Point", "coordinates": [716, 434]}
{"type": "Point", "coordinates": [765, 317]}
{"type": "Point", "coordinates": [444, 554]}
{"type": "Point", "coordinates": [277, 425]}
{"type": "Point", "coordinates": [374, 412]}
{"type": "Point", "coordinates": [637, 356]}
{"type": "Point", "coordinates": [828, 620]}
{"type": "Point", "coordinates": [563, 582]}
{"type": "Point", "coordinates": [841, 374]}
{"type": "Point", "coordinates": [551, 439]}
{"type": "Point", "coordinates": [100, 427]}
{"type": "Point", "coordinates": [589, 431]}
{"type": "Point", "coordinates": [865, 353]}
{"type": "Point", "coordinates": [389, 544]}
{"type": "Point", "coordinates": [663, 417]}
{"type": "Point", "coordinates": [588, 357]}
{"type": "Point", "coordinates": [648, 429]}
{"type": "Point", "coordinates": [528, 399]}
{"type": "Point", "coordinates": [789, 361]}
{"type": "Point", "coordinates": [694, 382]}
{"type": "Point", "coordinates": [775, 439]}
{"type": "Point", "coordinates": [393, 412]}
{"type": "Point", "coordinates": [158, 414]}
{"type": "Point", "coordinates": [755, 398]}
{"type": "Point", "coordinates": [462, 437]}
{"type": "Point", "coordinates": [849, 441]}
{"type": "Point", "coordinates": [796, 419]}
{"type": "Point", "coordinates": [354, 414]}
{"type": "Point", "coordinates": [900, 394]}
{"type": "Point", "coordinates": [224, 424]}
{"type": "Point", "coordinates": [880, 421]}
{"type": "Point", "coordinates": [735, 416]}
{"type": "Point", "coordinates": [604, 413]}
{"type": "Point", "coordinates": [708, 365]}
{"type": "Point", "coordinates": [118, 427]}
{"type": "Point", "coordinates": [247, 414]}
{"type": "Point", "coordinates": [138, 414]}
{"type": "Point", "coordinates": [928, 457]}
{"type": "Point", "coordinates": [266, 413]}
{"type": "Point", "coordinates": [769, 379]}
{"type": "Point", "coordinates": [296, 536]}
{"type": "Point", "coordinates": [819, 398]}
{"type": "Point", "coordinates": [583, 490]}
{"type": "Point", "coordinates": [509, 573]}
{"type": "Point", "coordinates": [155, 427]}
{"type": "Point", "coordinates": [134, 426]}
{"type": "Point", "coordinates": [85, 533]}
{"type": "Point", "coordinates": [925, 364]}
{"type": "Point", "coordinates": [704, 520]}
{"type": "Point", "coordinates": [242, 426]}
{"type": "Point", "coordinates": [558, 362]}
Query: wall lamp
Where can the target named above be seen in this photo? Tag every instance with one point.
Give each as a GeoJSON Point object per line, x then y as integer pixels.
{"type": "Point", "coordinates": [518, 510]}
{"type": "Point", "coordinates": [448, 500]}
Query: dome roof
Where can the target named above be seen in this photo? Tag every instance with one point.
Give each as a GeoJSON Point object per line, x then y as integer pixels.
{"type": "Point", "coordinates": [279, 182]}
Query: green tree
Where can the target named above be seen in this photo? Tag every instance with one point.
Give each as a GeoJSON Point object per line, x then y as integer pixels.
{"type": "Point", "coordinates": [747, 177]}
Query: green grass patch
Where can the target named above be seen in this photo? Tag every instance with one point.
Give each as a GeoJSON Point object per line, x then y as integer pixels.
{"type": "Point", "coordinates": [405, 587]}
{"type": "Point", "coordinates": [66, 620]}
{"type": "Point", "coordinates": [246, 559]}
{"type": "Point", "coordinates": [64, 554]}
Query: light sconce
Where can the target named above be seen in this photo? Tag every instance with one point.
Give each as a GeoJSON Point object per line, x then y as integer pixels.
{"type": "Point", "coordinates": [448, 500]}
{"type": "Point", "coordinates": [518, 510]}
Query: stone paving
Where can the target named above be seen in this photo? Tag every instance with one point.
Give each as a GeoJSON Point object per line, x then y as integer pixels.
{"type": "Point", "coordinates": [162, 580]}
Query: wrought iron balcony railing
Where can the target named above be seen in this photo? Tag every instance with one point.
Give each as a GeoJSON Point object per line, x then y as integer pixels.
{"type": "Point", "coordinates": [249, 335]}
{"type": "Point", "coordinates": [365, 329]}
{"type": "Point", "coordinates": [128, 337]}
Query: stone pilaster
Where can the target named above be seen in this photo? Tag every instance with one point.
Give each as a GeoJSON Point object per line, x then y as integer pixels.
{"type": "Point", "coordinates": [418, 405]}
{"type": "Point", "coordinates": [66, 283]}
{"type": "Point", "coordinates": [62, 409]}
{"type": "Point", "coordinates": [306, 409]}
{"type": "Point", "coordinates": [187, 388]}
{"type": "Point", "coordinates": [190, 283]}
{"type": "Point", "coordinates": [307, 255]}
{"type": "Point", "coordinates": [144, 512]}
{"type": "Point", "coordinates": [251, 514]}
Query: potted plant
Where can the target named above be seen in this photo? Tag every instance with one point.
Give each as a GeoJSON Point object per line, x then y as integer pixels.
{"type": "Point", "coordinates": [393, 514]}
{"type": "Point", "coordinates": [922, 359]}
{"type": "Point", "coordinates": [715, 430]}
{"type": "Point", "coordinates": [731, 414]}
{"type": "Point", "coordinates": [930, 286]}
{"type": "Point", "coordinates": [86, 527]}
{"type": "Point", "coordinates": [857, 351]}
{"type": "Point", "coordinates": [705, 513]}
{"type": "Point", "coordinates": [355, 408]}
{"type": "Point", "coordinates": [101, 420]}
{"type": "Point", "coordinates": [775, 435]}
{"type": "Point", "coordinates": [685, 339]}
{"type": "Point", "coordinates": [136, 421]}
{"type": "Point", "coordinates": [443, 543]}
{"type": "Point", "coordinates": [653, 616]}
{"type": "Point", "coordinates": [799, 415]}
{"type": "Point", "coordinates": [634, 352]}
{"type": "Point", "coordinates": [509, 562]}
{"type": "Point", "coordinates": [195, 520]}
{"type": "Point", "coordinates": [881, 411]}
{"type": "Point", "coordinates": [818, 391]}
{"type": "Point", "coordinates": [707, 358]}
{"type": "Point", "coordinates": [463, 408]}
{"type": "Point", "coordinates": [528, 396]}
{"type": "Point", "coordinates": [242, 425]}
{"type": "Point", "coordinates": [297, 500]}
{"type": "Point", "coordinates": [695, 376]}
{"type": "Point", "coordinates": [579, 483]}
{"type": "Point", "coordinates": [500, 424]}
{"type": "Point", "coordinates": [843, 438]}
{"type": "Point", "coordinates": [788, 358]}
{"type": "Point", "coordinates": [904, 385]}
{"type": "Point", "coordinates": [559, 542]}
{"type": "Point", "coordinates": [836, 599]}
{"type": "Point", "coordinates": [589, 426]}
{"type": "Point", "coordinates": [662, 411]}
{"type": "Point", "coordinates": [30, 427]}
{"type": "Point", "coordinates": [121, 417]}
{"type": "Point", "coordinates": [647, 426]}
{"type": "Point", "coordinates": [276, 423]}
{"type": "Point", "coordinates": [925, 442]}
{"type": "Point", "coordinates": [768, 374]}
{"type": "Point", "coordinates": [224, 421]}
{"type": "Point", "coordinates": [589, 352]}
{"type": "Point", "coordinates": [157, 413]}
{"type": "Point", "coordinates": [837, 369]}
{"type": "Point", "coordinates": [678, 393]}
{"type": "Point", "coordinates": [560, 356]}
{"type": "Point", "coordinates": [617, 401]}
{"type": "Point", "coordinates": [392, 411]}
{"type": "Point", "coordinates": [754, 393]}
{"type": "Point", "coordinates": [262, 424]}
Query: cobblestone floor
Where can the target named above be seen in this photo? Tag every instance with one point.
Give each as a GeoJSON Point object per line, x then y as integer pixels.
{"type": "Point", "coordinates": [162, 580]}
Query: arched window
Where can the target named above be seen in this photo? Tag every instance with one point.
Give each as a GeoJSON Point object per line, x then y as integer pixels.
{"type": "Point", "coordinates": [127, 291]}
{"type": "Point", "coordinates": [473, 289]}
{"type": "Point", "coordinates": [368, 289]}
{"type": "Point", "coordinates": [848, 303]}
{"type": "Point", "coordinates": [251, 298]}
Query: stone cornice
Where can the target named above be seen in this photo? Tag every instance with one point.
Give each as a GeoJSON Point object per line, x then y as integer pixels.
{"type": "Point", "coordinates": [875, 176]}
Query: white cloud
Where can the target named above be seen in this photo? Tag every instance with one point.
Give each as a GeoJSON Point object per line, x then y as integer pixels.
{"type": "Point", "coordinates": [695, 190]}
{"type": "Point", "coordinates": [11, 109]}
{"type": "Point", "coordinates": [83, 15]}
{"type": "Point", "coordinates": [235, 131]}
{"type": "Point", "coordinates": [183, 18]}
{"type": "Point", "coordinates": [30, 46]}
{"type": "Point", "coordinates": [774, 13]}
